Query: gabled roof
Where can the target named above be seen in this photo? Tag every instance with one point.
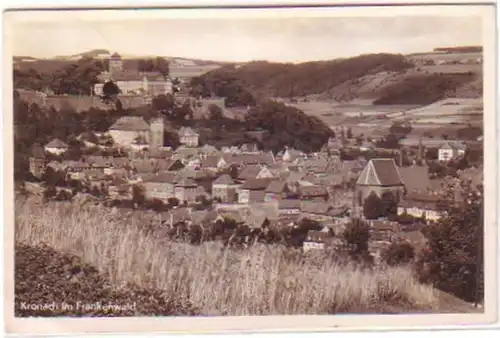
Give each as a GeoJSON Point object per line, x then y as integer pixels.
{"type": "Point", "coordinates": [313, 190]}
{"type": "Point", "coordinates": [186, 182]}
{"type": "Point", "coordinates": [277, 187]}
{"type": "Point", "coordinates": [187, 131]}
{"type": "Point", "coordinates": [256, 184]}
{"type": "Point", "coordinates": [56, 143]}
{"type": "Point", "coordinates": [416, 178]}
{"type": "Point", "coordinates": [130, 123]}
{"type": "Point", "coordinates": [380, 172]}
{"type": "Point", "coordinates": [249, 172]}
{"type": "Point", "coordinates": [223, 179]}
{"type": "Point", "coordinates": [163, 177]}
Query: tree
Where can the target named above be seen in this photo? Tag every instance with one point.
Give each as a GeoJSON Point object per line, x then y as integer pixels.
{"type": "Point", "coordinates": [163, 103]}
{"type": "Point", "coordinates": [454, 262]}
{"type": "Point", "coordinates": [138, 195]}
{"type": "Point", "coordinates": [389, 204]}
{"type": "Point", "coordinates": [173, 202]}
{"type": "Point", "coordinates": [49, 192]}
{"type": "Point", "coordinates": [215, 112]}
{"type": "Point", "coordinates": [372, 206]}
{"type": "Point", "coordinates": [109, 91]}
{"type": "Point", "coordinates": [162, 66]}
{"type": "Point", "coordinates": [349, 133]}
{"type": "Point", "coordinates": [399, 253]}
{"type": "Point", "coordinates": [356, 237]}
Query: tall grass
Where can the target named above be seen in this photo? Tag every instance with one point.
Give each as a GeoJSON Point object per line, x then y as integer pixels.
{"type": "Point", "coordinates": [256, 281]}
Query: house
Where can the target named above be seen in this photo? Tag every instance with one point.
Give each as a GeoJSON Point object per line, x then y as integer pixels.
{"type": "Point", "coordinates": [288, 207]}
{"type": "Point", "coordinates": [56, 147]}
{"type": "Point", "coordinates": [380, 175]}
{"type": "Point", "coordinates": [224, 188]}
{"type": "Point", "coordinates": [249, 148]}
{"type": "Point", "coordinates": [127, 129]}
{"type": "Point", "coordinates": [383, 231]}
{"type": "Point", "coordinates": [188, 137]}
{"type": "Point", "coordinates": [160, 186]}
{"type": "Point", "coordinates": [186, 190]}
{"type": "Point", "coordinates": [37, 161]}
{"type": "Point", "coordinates": [249, 172]}
{"type": "Point", "coordinates": [290, 155]}
{"type": "Point", "coordinates": [451, 150]}
{"type": "Point", "coordinates": [321, 211]}
{"type": "Point", "coordinates": [253, 190]}
{"type": "Point", "coordinates": [366, 146]}
{"type": "Point", "coordinates": [420, 204]}
{"type": "Point", "coordinates": [316, 240]}
{"type": "Point", "coordinates": [119, 189]}
{"type": "Point", "coordinates": [276, 190]}
{"type": "Point", "coordinates": [313, 193]}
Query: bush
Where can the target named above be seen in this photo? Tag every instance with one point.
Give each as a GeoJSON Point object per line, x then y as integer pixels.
{"type": "Point", "coordinates": [372, 207]}
{"type": "Point", "coordinates": [399, 253]}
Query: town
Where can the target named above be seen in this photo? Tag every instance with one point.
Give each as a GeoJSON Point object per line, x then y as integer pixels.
{"type": "Point", "coordinates": [198, 185]}
{"type": "Point", "coordinates": [179, 155]}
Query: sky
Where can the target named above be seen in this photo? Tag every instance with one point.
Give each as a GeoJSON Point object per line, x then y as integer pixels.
{"type": "Point", "coordinates": [241, 40]}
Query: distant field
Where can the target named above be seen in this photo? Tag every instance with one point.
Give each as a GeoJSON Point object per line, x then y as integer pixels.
{"type": "Point", "coordinates": [475, 68]}
{"type": "Point", "coordinates": [445, 56]}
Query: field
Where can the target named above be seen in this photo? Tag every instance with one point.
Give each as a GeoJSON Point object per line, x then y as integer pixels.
{"type": "Point", "coordinates": [217, 281]}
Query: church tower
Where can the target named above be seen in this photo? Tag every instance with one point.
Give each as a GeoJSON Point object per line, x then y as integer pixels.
{"type": "Point", "coordinates": [157, 129]}
{"type": "Point", "coordinates": [115, 64]}
{"type": "Point", "coordinates": [37, 161]}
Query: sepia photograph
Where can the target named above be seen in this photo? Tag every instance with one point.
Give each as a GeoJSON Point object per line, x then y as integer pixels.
{"type": "Point", "coordinates": [231, 163]}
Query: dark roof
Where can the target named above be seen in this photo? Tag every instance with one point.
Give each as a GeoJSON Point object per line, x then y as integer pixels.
{"type": "Point", "coordinates": [289, 204]}
{"type": "Point", "coordinates": [256, 184]}
{"type": "Point", "coordinates": [416, 178]}
{"type": "Point", "coordinates": [210, 161]}
{"type": "Point", "coordinates": [250, 172]}
{"type": "Point", "coordinates": [163, 177]}
{"type": "Point", "coordinates": [315, 207]}
{"type": "Point", "coordinates": [56, 143]}
{"type": "Point", "coordinates": [380, 172]}
{"type": "Point", "coordinates": [223, 179]}
{"type": "Point", "coordinates": [313, 190]}
{"type": "Point", "coordinates": [276, 187]}
{"type": "Point", "coordinates": [130, 123]}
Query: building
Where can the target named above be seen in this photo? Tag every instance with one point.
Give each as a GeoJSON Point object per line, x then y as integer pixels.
{"type": "Point", "coordinates": [37, 161]}
{"type": "Point", "coordinates": [276, 190]}
{"type": "Point", "coordinates": [451, 150]}
{"type": "Point", "coordinates": [380, 175]}
{"type": "Point", "coordinates": [133, 82]}
{"type": "Point", "coordinates": [316, 240]}
{"type": "Point", "coordinates": [253, 190]}
{"type": "Point", "coordinates": [224, 188]}
{"type": "Point", "coordinates": [128, 128]}
{"type": "Point", "coordinates": [189, 137]}
{"type": "Point", "coordinates": [288, 207]}
{"type": "Point", "coordinates": [420, 205]}
{"type": "Point", "coordinates": [157, 130]}
{"type": "Point", "coordinates": [160, 186]}
{"type": "Point", "coordinates": [415, 178]}
{"type": "Point", "coordinates": [186, 190]}
{"type": "Point", "coordinates": [56, 147]}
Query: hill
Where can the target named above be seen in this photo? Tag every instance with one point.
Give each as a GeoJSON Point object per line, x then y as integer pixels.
{"type": "Point", "coordinates": [380, 78]}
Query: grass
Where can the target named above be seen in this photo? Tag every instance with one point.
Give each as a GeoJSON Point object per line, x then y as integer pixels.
{"type": "Point", "coordinates": [260, 280]}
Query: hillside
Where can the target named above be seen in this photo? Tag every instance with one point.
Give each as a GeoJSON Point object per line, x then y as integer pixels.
{"type": "Point", "coordinates": [380, 78]}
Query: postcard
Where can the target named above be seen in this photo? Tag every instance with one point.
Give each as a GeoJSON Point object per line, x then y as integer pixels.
{"type": "Point", "coordinates": [249, 169]}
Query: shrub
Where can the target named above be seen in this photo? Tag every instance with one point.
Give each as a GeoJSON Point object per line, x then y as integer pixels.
{"type": "Point", "coordinates": [372, 207]}
{"type": "Point", "coordinates": [399, 253]}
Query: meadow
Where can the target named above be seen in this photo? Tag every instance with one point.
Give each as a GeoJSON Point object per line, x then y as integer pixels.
{"type": "Point", "coordinates": [260, 280]}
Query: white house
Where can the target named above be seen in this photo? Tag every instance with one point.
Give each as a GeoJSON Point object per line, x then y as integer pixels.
{"type": "Point", "coordinates": [56, 147]}
{"type": "Point", "coordinates": [189, 137]}
{"type": "Point", "coordinates": [418, 205]}
{"type": "Point", "coordinates": [450, 150]}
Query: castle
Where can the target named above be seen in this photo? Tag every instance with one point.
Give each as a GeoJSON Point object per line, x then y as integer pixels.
{"type": "Point", "coordinates": [132, 82]}
{"type": "Point", "coordinates": [128, 131]}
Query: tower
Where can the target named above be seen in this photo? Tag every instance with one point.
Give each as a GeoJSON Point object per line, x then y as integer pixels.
{"type": "Point", "coordinates": [115, 64]}
{"type": "Point", "coordinates": [157, 129]}
{"type": "Point", "coordinates": [421, 151]}
{"type": "Point", "coordinates": [37, 161]}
